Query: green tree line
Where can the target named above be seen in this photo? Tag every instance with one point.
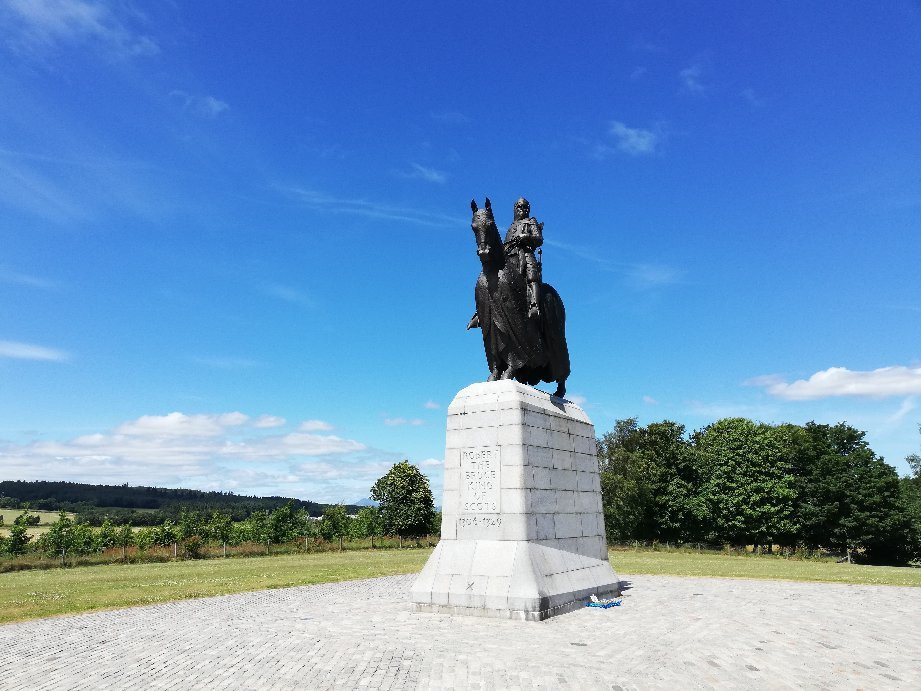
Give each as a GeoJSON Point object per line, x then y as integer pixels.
{"type": "Point", "coordinates": [740, 482]}
{"type": "Point", "coordinates": [137, 505]}
{"type": "Point", "coordinates": [406, 510]}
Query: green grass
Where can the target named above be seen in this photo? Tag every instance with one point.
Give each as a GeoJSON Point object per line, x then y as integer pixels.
{"type": "Point", "coordinates": [45, 517]}
{"type": "Point", "coordinates": [31, 594]}
{"type": "Point", "coordinates": [718, 565]}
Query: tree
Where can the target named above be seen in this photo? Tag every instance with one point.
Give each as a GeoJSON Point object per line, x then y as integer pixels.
{"type": "Point", "coordinates": [258, 529]}
{"type": "Point", "coordinates": [407, 506]}
{"type": "Point", "coordinates": [106, 536]}
{"type": "Point", "coordinates": [851, 499]}
{"type": "Point", "coordinates": [334, 523]}
{"type": "Point", "coordinates": [59, 538]}
{"type": "Point", "coordinates": [167, 534]}
{"type": "Point", "coordinates": [283, 524]}
{"type": "Point", "coordinates": [626, 487]}
{"type": "Point", "coordinates": [650, 483]}
{"type": "Point", "coordinates": [220, 527]}
{"type": "Point", "coordinates": [17, 541]}
{"type": "Point", "coordinates": [124, 538]}
{"type": "Point", "coordinates": [367, 523]}
{"type": "Point", "coordinates": [748, 484]}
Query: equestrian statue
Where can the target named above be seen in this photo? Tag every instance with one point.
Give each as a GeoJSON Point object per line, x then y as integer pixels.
{"type": "Point", "coordinates": [522, 318]}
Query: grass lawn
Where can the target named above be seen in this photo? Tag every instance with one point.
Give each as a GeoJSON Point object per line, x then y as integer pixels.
{"type": "Point", "coordinates": [714, 564]}
{"type": "Point", "coordinates": [31, 594]}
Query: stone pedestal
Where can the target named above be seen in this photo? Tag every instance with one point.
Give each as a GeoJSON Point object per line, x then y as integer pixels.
{"type": "Point", "coordinates": [522, 532]}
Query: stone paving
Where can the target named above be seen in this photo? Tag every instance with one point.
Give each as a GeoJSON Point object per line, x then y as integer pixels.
{"type": "Point", "coordinates": [670, 632]}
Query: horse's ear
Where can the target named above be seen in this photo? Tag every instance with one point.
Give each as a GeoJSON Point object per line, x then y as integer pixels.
{"type": "Point", "coordinates": [473, 205]}
{"type": "Point", "coordinates": [488, 205]}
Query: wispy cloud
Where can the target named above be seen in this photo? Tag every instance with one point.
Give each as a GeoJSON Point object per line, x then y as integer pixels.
{"type": "Point", "coordinates": [314, 426]}
{"type": "Point", "coordinates": [634, 141]}
{"type": "Point", "coordinates": [840, 381]}
{"type": "Point", "coordinates": [203, 106]}
{"type": "Point", "coordinates": [651, 276]}
{"type": "Point", "coordinates": [907, 405]}
{"type": "Point", "coordinates": [16, 278]}
{"type": "Point", "coordinates": [752, 98]}
{"type": "Point", "coordinates": [400, 421]}
{"type": "Point", "coordinates": [371, 209]}
{"type": "Point", "coordinates": [417, 172]}
{"type": "Point", "coordinates": [649, 400]}
{"type": "Point", "coordinates": [638, 72]}
{"type": "Point", "coordinates": [29, 351]}
{"type": "Point", "coordinates": [577, 399]}
{"type": "Point", "coordinates": [450, 117]}
{"type": "Point", "coordinates": [41, 25]}
{"type": "Point", "coordinates": [692, 79]}
{"type": "Point", "coordinates": [431, 405]}
{"type": "Point", "coordinates": [287, 293]}
{"type": "Point", "coordinates": [431, 463]}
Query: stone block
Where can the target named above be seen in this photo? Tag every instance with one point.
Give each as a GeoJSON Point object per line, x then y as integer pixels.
{"type": "Point", "coordinates": [522, 529]}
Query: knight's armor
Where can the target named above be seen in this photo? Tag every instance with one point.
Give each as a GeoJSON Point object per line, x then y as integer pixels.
{"type": "Point", "coordinates": [523, 238]}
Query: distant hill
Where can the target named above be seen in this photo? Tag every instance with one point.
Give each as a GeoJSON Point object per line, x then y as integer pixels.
{"type": "Point", "coordinates": [367, 502]}
{"type": "Point", "coordinates": [139, 505]}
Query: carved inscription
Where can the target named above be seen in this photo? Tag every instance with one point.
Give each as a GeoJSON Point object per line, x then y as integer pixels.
{"type": "Point", "coordinates": [479, 522]}
{"type": "Point", "coordinates": [480, 480]}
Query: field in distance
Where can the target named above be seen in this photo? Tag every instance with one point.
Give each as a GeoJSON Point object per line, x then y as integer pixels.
{"type": "Point", "coordinates": [31, 594]}
{"type": "Point", "coordinates": [45, 518]}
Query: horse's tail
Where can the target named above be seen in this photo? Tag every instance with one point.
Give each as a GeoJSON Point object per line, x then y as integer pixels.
{"type": "Point", "coordinates": [553, 328]}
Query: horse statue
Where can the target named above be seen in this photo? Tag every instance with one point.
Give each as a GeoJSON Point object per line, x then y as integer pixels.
{"type": "Point", "coordinates": [523, 339]}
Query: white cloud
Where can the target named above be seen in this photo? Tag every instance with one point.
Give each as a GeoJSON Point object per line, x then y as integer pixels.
{"type": "Point", "coordinates": [577, 399]}
{"type": "Point", "coordinates": [7, 276]}
{"type": "Point", "coordinates": [400, 421]}
{"type": "Point", "coordinates": [634, 141]}
{"type": "Point", "coordinates": [180, 425]}
{"type": "Point", "coordinates": [431, 463]}
{"type": "Point", "coordinates": [314, 426]}
{"type": "Point", "coordinates": [637, 73]}
{"type": "Point", "coordinates": [907, 406]}
{"type": "Point", "coordinates": [691, 79]}
{"type": "Point", "coordinates": [649, 400]}
{"type": "Point", "coordinates": [418, 172]}
{"type": "Point", "coordinates": [204, 451]}
{"type": "Point", "coordinates": [46, 24]}
{"type": "Point", "coordinates": [431, 405]}
{"type": "Point", "coordinates": [840, 381]}
{"type": "Point", "coordinates": [370, 209]}
{"type": "Point", "coordinates": [288, 294]}
{"type": "Point", "coordinates": [207, 107]}
{"type": "Point", "coordinates": [752, 98]}
{"type": "Point", "coordinates": [269, 421]}
{"type": "Point", "coordinates": [649, 276]}
{"type": "Point", "coordinates": [30, 351]}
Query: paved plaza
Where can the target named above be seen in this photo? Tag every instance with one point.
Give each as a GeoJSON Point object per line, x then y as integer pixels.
{"type": "Point", "coordinates": [670, 632]}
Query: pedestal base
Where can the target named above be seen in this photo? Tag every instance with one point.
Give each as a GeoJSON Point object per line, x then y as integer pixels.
{"type": "Point", "coordinates": [522, 527]}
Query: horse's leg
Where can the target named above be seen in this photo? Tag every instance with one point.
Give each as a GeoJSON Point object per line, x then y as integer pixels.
{"type": "Point", "coordinates": [560, 389]}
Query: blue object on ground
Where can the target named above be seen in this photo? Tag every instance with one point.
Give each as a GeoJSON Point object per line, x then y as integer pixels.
{"type": "Point", "coordinates": [603, 605]}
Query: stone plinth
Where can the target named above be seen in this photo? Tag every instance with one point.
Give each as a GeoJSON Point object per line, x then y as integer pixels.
{"type": "Point", "coordinates": [522, 532]}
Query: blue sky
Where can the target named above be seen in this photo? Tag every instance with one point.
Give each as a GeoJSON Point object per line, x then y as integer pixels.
{"type": "Point", "coordinates": [236, 246]}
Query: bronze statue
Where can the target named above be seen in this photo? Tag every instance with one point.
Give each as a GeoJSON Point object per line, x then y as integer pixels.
{"type": "Point", "coordinates": [522, 319]}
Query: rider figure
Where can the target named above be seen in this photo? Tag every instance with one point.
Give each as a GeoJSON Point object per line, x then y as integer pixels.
{"type": "Point", "coordinates": [523, 238]}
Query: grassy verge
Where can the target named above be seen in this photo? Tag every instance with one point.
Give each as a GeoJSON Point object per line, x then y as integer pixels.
{"type": "Point", "coordinates": [718, 565]}
{"type": "Point", "coordinates": [32, 594]}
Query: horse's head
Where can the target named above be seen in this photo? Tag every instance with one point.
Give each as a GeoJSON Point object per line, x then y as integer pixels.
{"type": "Point", "coordinates": [489, 246]}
